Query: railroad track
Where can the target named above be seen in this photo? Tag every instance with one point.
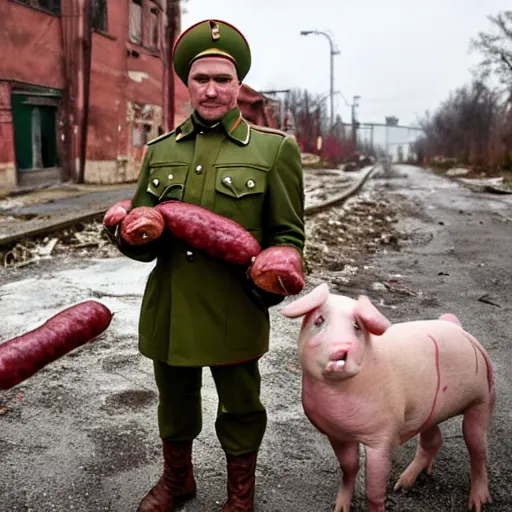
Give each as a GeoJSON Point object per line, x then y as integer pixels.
{"type": "Point", "coordinates": [323, 189]}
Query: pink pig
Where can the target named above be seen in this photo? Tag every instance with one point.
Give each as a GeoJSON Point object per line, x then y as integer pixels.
{"type": "Point", "coordinates": [367, 381]}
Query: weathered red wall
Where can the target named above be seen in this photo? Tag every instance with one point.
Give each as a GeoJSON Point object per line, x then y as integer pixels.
{"type": "Point", "coordinates": [31, 47]}
{"type": "Point", "coordinates": [107, 103]}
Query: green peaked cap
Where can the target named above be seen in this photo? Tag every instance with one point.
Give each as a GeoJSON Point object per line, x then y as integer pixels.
{"type": "Point", "coordinates": [211, 38]}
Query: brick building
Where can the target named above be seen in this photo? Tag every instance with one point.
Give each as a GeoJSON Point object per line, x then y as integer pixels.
{"type": "Point", "coordinates": [46, 69]}
{"type": "Point", "coordinates": [80, 95]}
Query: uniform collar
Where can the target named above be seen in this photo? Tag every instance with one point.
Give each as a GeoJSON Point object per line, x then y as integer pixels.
{"type": "Point", "coordinates": [235, 126]}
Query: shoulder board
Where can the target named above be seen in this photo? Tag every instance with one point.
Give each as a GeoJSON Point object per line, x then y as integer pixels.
{"type": "Point", "coordinates": [160, 137]}
{"type": "Point", "coordinates": [267, 129]}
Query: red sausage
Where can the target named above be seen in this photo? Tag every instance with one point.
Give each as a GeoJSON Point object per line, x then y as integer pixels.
{"type": "Point", "coordinates": [116, 213]}
{"type": "Point", "coordinates": [24, 355]}
{"type": "Point", "coordinates": [142, 225]}
{"type": "Point", "coordinates": [278, 270]}
{"type": "Point", "coordinates": [203, 229]}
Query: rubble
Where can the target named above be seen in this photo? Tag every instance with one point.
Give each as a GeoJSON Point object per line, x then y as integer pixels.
{"type": "Point", "coordinates": [338, 238]}
{"type": "Point", "coordinates": [85, 239]}
{"type": "Point", "coordinates": [341, 238]}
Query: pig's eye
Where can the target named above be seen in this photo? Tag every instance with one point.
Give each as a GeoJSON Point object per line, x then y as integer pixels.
{"type": "Point", "coordinates": [319, 321]}
{"type": "Point", "coordinates": [356, 326]}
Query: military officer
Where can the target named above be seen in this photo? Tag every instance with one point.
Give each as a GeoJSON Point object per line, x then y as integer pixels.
{"type": "Point", "coordinates": [198, 311]}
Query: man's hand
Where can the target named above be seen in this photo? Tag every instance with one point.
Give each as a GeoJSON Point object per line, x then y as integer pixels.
{"type": "Point", "coordinates": [113, 218]}
{"type": "Point", "coordinates": [278, 270]}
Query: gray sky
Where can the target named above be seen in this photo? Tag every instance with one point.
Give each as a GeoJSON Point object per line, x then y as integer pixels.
{"type": "Point", "coordinates": [401, 56]}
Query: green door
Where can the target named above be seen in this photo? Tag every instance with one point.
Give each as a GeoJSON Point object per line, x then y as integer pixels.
{"type": "Point", "coordinates": [22, 120]}
{"type": "Point", "coordinates": [35, 133]}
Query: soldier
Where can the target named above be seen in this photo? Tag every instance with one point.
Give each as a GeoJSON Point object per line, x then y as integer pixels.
{"type": "Point", "coordinates": [198, 311]}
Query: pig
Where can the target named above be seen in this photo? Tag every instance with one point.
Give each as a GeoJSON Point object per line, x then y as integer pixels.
{"type": "Point", "coordinates": [367, 381]}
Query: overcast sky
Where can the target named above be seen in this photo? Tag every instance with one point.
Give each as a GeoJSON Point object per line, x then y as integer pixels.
{"type": "Point", "coordinates": [401, 56]}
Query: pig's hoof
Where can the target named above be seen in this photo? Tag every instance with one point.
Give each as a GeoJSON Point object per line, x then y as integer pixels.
{"type": "Point", "coordinates": [479, 496]}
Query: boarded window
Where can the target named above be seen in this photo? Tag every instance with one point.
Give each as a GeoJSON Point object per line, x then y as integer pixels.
{"type": "Point", "coordinates": [140, 134]}
{"type": "Point", "coordinates": [154, 27]}
{"type": "Point", "coordinates": [135, 28]}
{"type": "Point", "coordinates": [48, 5]}
{"type": "Point", "coordinates": [99, 15]}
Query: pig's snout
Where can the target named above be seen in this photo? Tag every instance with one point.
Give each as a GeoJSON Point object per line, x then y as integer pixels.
{"type": "Point", "coordinates": [337, 361]}
{"type": "Point", "coordinates": [338, 355]}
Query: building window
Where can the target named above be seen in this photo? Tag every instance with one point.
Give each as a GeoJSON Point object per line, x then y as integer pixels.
{"type": "Point", "coordinates": [154, 27]}
{"type": "Point", "coordinates": [140, 134]}
{"type": "Point", "coordinates": [135, 27]}
{"type": "Point", "coordinates": [52, 6]}
{"type": "Point", "coordinates": [99, 15]}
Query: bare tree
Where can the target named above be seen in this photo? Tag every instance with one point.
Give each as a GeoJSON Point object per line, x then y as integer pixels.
{"type": "Point", "coordinates": [496, 48]}
{"type": "Point", "coordinates": [467, 127]}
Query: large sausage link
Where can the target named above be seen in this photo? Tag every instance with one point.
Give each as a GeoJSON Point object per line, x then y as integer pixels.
{"type": "Point", "coordinates": [278, 270]}
{"type": "Point", "coordinates": [142, 225]}
{"type": "Point", "coordinates": [24, 355]}
{"type": "Point", "coordinates": [203, 229]}
{"type": "Point", "coordinates": [116, 213]}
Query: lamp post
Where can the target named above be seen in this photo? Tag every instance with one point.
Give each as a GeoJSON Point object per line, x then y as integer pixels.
{"type": "Point", "coordinates": [333, 52]}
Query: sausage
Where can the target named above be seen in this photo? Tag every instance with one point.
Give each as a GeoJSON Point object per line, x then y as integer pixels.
{"type": "Point", "coordinates": [142, 225]}
{"type": "Point", "coordinates": [116, 213]}
{"type": "Point", "coordinates": [278, 270]}
{"type": "Point", "coordinates": [215, 234]}
{"type": "Point", "coordinates": [24, 355]}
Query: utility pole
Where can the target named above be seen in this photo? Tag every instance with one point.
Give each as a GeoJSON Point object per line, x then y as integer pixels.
{"type": "Point", "coordinates": [354, 122]}
{"type": "Point", "coordinates": [333, 52]}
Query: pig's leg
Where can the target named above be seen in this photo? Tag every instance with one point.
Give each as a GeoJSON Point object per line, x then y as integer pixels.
{"type": "Point", "coordinates": [475, 425]}
{"type": "Point", "coordinates": [429, 444]}
{"type": "Point", "coordinates": [348, 457]}
{"type": "Point", "coordinates": [378, 467]}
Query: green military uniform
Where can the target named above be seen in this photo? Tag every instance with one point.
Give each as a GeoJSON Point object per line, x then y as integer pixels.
{"type": "Point", "coordinates": [197, 310]}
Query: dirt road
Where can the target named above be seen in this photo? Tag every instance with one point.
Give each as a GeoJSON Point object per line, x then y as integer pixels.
{"type": "Point", "coordinates": [81, 434]}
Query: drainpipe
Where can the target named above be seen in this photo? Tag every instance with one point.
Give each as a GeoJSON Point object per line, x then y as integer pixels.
{"type": "Point", "coordinates": [87, 52]}
{"type": "Point", "coordinates": [173, 9]}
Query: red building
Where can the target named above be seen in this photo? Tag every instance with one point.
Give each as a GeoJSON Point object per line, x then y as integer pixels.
{"type": "Point", "coordinates": [84, 84]}
{"type": "Point", "coordinates": [55, 81]}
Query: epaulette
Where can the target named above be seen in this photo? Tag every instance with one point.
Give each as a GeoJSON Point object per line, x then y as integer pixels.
{"type": "Point", "coordinates": [160, 137]}
{"type": "Point", "coordinates": [267, 129]}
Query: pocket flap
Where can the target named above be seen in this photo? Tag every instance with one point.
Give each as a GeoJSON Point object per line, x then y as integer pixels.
{"type": "Point", "coordinates": [240, 181]}
{"type": "Point", "coordinates": [165, 179]}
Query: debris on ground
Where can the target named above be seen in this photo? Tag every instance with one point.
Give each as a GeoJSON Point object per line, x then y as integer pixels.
{"type": "Point", "coordinates": [340, 238]}
{"type": "Point", "coordinates": [85, 239]}
{"type": "Point", "coordinates": [486, 299]}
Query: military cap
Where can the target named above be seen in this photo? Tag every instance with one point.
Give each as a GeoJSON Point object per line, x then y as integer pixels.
{"type": "Point", "coordinates": [211, 38]}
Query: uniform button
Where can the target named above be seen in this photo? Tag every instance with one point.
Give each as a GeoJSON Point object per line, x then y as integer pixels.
{"type": "Point", "coordinates": [156, 182]}
{"type": "Point", "coordinates": [199, 169]}
{"type": "Point", "coordinates": [170, 177]}
{"type": "Point", "coordinates": [190, 256]}
{"type": "Point", "coordinates": [251, 184]}
{"type": "Point", "coordinates": [227, 180]}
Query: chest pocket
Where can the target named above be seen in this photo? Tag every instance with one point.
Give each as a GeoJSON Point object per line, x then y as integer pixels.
{"type": "Point", "coordinates": [167, 180]}
{"type": "Point", "coordinates": [240, 194]}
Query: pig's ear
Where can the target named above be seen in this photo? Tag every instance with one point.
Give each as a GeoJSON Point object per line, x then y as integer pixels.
{"type": "Point", "coordinates": [373, 320]}
{"type": "Point", "coordinates": [450, 317]}
{"type": "Point", "coordinates": [309, 302]}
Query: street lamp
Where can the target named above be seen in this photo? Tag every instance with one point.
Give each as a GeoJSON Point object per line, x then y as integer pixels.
{"type": "Point", "coordinates": [333, 52]}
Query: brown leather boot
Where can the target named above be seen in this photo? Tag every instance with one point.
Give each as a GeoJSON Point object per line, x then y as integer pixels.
{"type": "Point", "coordinates": [241, 479]}
{"type": "Point", "coordinates": [177, 484]}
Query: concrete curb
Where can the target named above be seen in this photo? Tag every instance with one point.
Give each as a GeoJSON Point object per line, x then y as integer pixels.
{"type": "Point", "coordinates": [342, 197]}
